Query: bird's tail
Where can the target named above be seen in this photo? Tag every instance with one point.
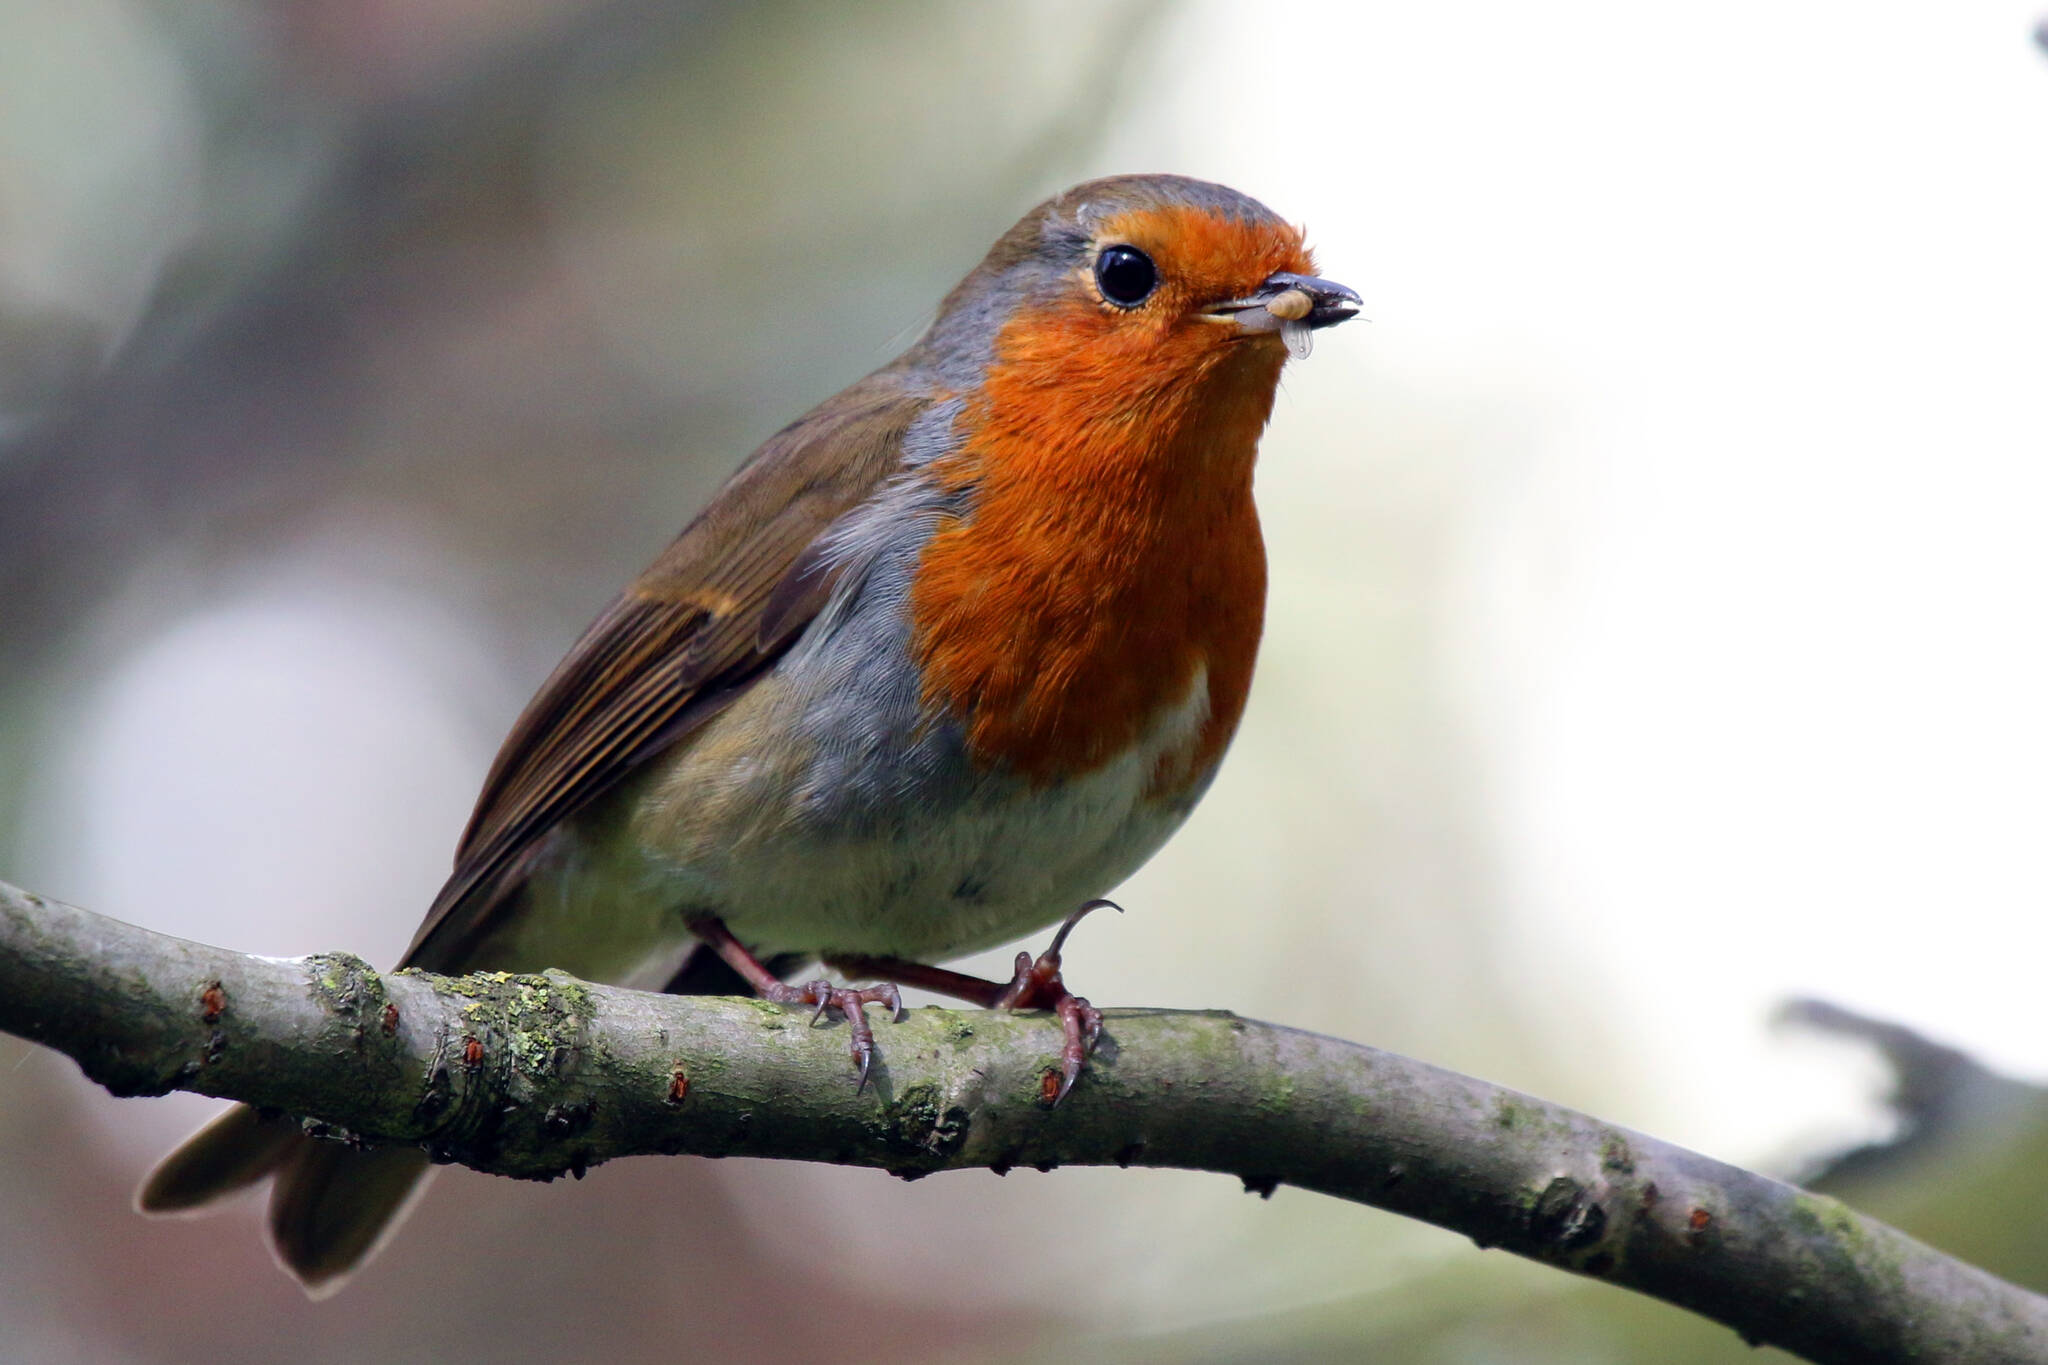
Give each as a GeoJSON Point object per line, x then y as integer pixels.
{"type": "Point", "coordinates": [332, 1205]}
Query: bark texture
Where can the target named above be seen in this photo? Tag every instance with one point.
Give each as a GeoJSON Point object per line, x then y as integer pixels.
{"type": "Point", "coordinates": [537, 1076]}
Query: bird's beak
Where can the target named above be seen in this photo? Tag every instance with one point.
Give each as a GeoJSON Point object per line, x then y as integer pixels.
{"type": "Point", "coordinates": [1292, 305]}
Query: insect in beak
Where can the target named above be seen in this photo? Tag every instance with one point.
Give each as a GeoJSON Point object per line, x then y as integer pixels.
{"type": "Point", "coordinates": [1292, 305]}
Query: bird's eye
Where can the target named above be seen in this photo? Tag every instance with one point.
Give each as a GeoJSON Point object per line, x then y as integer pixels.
{"type": "Point", "coordinates": [1125, 275]}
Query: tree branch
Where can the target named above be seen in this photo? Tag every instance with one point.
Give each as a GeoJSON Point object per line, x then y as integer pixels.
{"type": "Point", "coordinates": [533, 1076]}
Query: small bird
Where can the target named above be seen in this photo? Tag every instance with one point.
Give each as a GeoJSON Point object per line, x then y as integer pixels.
{"type": "Point", "coordinates": [947, 658]}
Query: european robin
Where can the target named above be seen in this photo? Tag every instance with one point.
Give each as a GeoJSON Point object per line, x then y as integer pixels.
{"type": "Point", "coordinates": [948, 657]}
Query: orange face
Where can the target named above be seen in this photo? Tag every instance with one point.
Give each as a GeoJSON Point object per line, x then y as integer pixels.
{"type": "Point", "coordinates": [1110, 360]}
{"type": "Point", "coordinates": [1203, 259]}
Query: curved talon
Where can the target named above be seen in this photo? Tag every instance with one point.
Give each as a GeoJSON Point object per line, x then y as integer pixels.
{"type": "Point", "coordinates": [863, 1054]}
{"type": "Point", "coordinates": [1082, 1023]}
{"type": "Point", "coordinates": [1035, 982]}
{"type": "Point", "coordinates": [857, 1025]}
{"type": "Point", "coordinates": [1059, 940]}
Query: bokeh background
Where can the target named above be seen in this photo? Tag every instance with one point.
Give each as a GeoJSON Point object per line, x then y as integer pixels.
{"type": "Point", "coordinates": [1655, 627]}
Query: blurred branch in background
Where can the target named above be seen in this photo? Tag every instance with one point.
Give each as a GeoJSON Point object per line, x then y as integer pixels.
{"type": "Point", "coordinates": [541, 1076]}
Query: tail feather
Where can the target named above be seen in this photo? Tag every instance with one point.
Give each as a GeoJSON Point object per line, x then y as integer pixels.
{"type": "Point", "coordinates": [234, 1151]}
{"type": "Point", "coordinates": [332, 1205]}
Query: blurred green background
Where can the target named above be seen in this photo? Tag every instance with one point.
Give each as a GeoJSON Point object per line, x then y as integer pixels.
{"type": "Point", "coordinates": [1654, 628]}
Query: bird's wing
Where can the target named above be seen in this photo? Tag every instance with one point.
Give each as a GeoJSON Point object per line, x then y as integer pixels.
{"type": "Point", "coordinates": [733, 591]}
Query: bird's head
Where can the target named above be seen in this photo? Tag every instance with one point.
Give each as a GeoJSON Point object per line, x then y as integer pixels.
{"type": "Point", "coordinates": [1140, 291]}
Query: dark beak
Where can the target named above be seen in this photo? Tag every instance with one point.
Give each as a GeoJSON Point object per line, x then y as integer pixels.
{"type": "Point", "coordinates": [1290, 304]}
{"type": "Point", "coordinates": [1329, 302]}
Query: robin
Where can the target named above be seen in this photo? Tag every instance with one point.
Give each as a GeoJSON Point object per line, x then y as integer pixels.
{"type": "Point", "coordinates": [947, 658]}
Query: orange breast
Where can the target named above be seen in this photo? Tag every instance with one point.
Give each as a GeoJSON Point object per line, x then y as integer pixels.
{"type": "Point", "coordinates": [1112, 552]}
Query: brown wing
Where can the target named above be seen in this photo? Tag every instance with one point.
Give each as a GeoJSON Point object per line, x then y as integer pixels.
{"type": "Point", "coordinates": [720, 604]}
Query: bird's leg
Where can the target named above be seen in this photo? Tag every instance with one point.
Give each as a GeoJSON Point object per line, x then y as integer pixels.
{"type": "Point", "coordinates": [822, 994]}
{"type": "Point", "coordinates": [1035, 985]}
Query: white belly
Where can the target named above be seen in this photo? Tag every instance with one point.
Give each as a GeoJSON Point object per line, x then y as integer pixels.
{"type": "Point", "coordinates": [796, 858]}
{"type": "Point", "coordinates": [741, 829]}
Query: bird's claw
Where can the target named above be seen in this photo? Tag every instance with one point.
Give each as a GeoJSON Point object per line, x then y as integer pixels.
{"type": "Point", "coordinates": [1082, 1023]}
{"type": "Point", "coordinates": [851, 1002]}
{"type": "Point", "coordinates": [1036, 984]}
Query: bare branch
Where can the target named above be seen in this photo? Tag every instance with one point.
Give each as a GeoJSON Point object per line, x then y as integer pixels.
{"type": "Point", "coordinates": [535, 1076]}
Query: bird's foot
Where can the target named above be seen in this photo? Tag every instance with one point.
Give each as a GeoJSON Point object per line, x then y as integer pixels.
{"type": "Point", "coordinates": [1035, 985]}
{"type": "Point", "coordinates": [851, 1002]}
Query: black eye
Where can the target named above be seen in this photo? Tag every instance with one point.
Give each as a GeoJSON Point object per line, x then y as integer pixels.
{"type": "Point", "coordinates": [1125, 275]}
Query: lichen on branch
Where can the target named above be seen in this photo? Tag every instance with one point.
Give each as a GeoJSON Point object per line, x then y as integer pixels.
{"type": "Point", "coordinates": [540, 1075]}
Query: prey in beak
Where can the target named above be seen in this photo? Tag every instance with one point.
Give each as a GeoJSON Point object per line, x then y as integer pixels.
{"type": "Point", "coordinates": [1292, 305]}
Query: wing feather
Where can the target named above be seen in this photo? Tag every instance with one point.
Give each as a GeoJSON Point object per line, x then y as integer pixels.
{"type": "Point", "coordinates": [726, 598]}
